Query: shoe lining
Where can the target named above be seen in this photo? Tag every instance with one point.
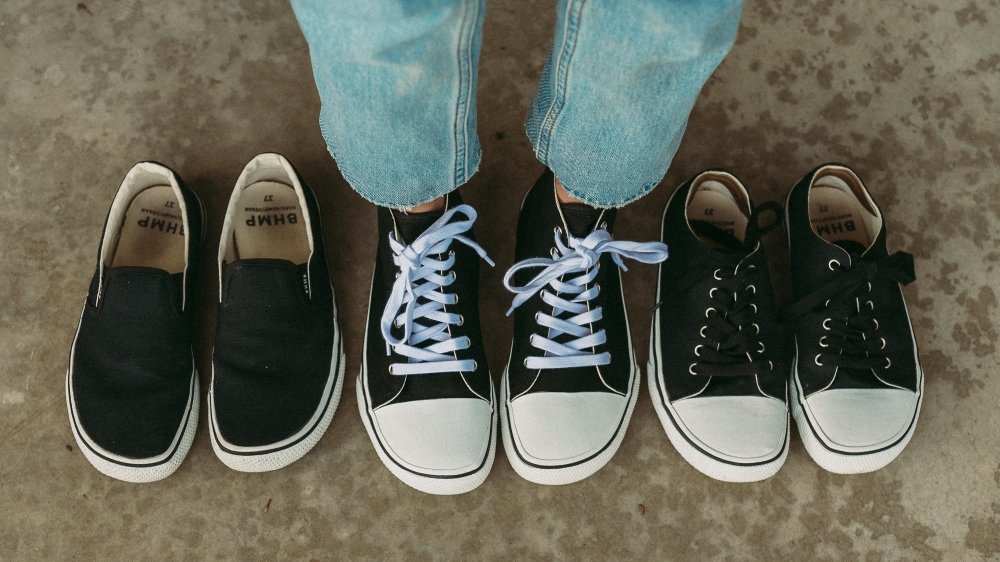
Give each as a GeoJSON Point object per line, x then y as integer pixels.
{"type": "Point", "coordinates": [838, 215]}
{"type": "Point", "coordinates": [713, 203]}
{"type": "Point", "coordinates": [269, 224]}
{"type": "Point", "coordinates": [152, 233]}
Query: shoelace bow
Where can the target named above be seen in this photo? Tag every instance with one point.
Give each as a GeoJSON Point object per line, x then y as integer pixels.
{"type": "Point", "coordinates": [425, 271]}
{"type": "Point", "coordinates": [566, 283]}
{"type": "Point", "coordinates": [732, 344]}
{"type": "Point", "coordinates": [851, 340]}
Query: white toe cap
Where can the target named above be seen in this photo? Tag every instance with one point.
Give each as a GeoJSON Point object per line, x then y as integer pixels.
{"type": "Point", "coordinates": [740, 429]}
{"type": "Point", "coordinates": [862, 418]}
{"type": "Point", "coordinates": [558, 428]}
{"type": "Point", "coordinates": [441, 437]}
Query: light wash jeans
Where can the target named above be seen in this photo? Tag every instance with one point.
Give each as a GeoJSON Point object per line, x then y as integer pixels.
{"type": "Point", "coordinates": [397, 83]}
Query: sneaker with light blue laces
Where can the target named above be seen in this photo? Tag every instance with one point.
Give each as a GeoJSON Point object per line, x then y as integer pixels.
{"type": "Point", "coordinates": [424, 391]}
{"type": "Point", "coordinates": [571, 383]}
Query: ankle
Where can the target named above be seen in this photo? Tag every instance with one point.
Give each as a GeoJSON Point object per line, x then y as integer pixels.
{"type": "Point", "coordinates": [430, 206]}
{"type": "Point", "coordinates": [562, 195]}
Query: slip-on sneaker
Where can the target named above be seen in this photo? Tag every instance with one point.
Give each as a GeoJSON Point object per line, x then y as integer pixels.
{"type": "Point", "coordinates": [277, 366]}
{"type": "Point", "coordinates": [132, 386]}
{"type": "Point", "coordinates": [856, 384]}
{"type": "Point", "coordinates": [715, 373]}
{"type": "Point", "coordinates": [572, 380]}
{"type": "Point", "coordinates": [424, 391]}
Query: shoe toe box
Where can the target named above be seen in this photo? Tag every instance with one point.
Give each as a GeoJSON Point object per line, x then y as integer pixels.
{"type": "Point", "coordinates": [862, 419]}
{"type": "Point", "coordinates": [441, 437]}
{"type": "Point", "coordinates": [553, 428]}
{"type": "Point", "coordinates": [740, 429]}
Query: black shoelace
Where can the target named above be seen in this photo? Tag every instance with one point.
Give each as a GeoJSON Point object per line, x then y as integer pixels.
{"type": "Point", "coordinates": [731, 344]}
{"type": "Point", "coordinates": [844, 304]}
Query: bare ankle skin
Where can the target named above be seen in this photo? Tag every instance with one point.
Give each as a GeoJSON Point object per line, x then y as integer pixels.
{"type": "Point", "coordinates": [435, 205]}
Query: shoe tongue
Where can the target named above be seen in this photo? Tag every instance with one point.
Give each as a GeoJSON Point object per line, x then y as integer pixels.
{"type": "Point", "coordinates": [717, 238]}
{"type": "Point", "coordinates": [251, 278]}
{"type": "Point", "coordinates": [851, 247]}
{"type": "Point", "coordinates": [411, 225]}
{"type": "Point", "coordinates": [580, 219]}
{"type": "Point", "coordinates": [142, 288]}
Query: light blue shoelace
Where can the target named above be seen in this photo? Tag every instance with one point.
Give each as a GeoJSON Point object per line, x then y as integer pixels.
{"type": "Point", "coordinates": [565, 285]}
{"type": "Point", "coordinates": [424, 276]}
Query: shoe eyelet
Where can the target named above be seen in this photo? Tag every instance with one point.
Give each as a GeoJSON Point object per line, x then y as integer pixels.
{"type": "Point", "coordinates": [870, 305]}
{"type": "Point", "coordinates": [756, 328]}
{"type": "Point", "coordinates": [869, 286]}
{"type": "Point", "coordinates": [711, 292]}
{"type": "Point", "coordinates": [391, 370]}
{"type": "Point", "coordinates": [826, 324]}
{"type": "Point", "coordinates": [701, 331]}
{"type": "Point", "coordinates": [875, 322]}
{"type": "Point", "coordinates": [752, 289]}
{"type": "Point", "coordinates": [883, 343]}
{"type": "Point", "coordinates": [816, 360]}
{"type": "Point", "coordinates": [708, 310]}
{"type": "Point", "coordinates": [604, 225]}
{"type": "Point", "coordinates": [697, 349]}
{"type": "Point", "coordinates": [536, 317]}
{"type": "Point", "coordinates": [770, 365]}
{"type": "Point", "coordinates": [888, 363]}
{"type": "Point", "coordinates": [456, 300]}
{"type": "Point", "coordinates": [826, 303]}
{"type": "Point", "coordinates": [761, 348]}
{"type": "Point", "coordinates": [454, 276]}
{"type": "Point", "coordinates": [525, 362]}
{"type": "Point", "coordinates": [830, 263]}
{"type": "Point", "coordinates": [753, 307]}
{"type": "Point", "coordinates": [557, 231]}
{"type": "Point", "coordinates": [451, 253]}
{"type": "Point", "coordinates": [822, 342]}
{"type": "Point", "coordinates": [716, 273]}
{"type": "Point", "coordinates": [461, 320]}
{"type": "Point", "coordinates": [475, 365]}
{"type": "Point", "coordinates": [691, 369]}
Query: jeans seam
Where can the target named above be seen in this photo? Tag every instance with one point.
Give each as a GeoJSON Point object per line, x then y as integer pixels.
{"type": "Point", "coordinates": [560, 77]}
{"type": "Point", "coordinates": [461, 132]}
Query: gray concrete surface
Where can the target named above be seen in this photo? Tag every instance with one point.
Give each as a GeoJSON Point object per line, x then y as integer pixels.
{"type": "Point", "coordinates": [905, 91]}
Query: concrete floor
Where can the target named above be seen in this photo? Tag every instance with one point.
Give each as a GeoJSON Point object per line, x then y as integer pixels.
{"type": "Point", "coordinates": [905, 91]}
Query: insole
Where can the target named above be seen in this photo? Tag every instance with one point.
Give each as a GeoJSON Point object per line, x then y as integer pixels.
{"type": "Point", "coordinates": [269, 224]}
{"type": "Point", "coordinates": [717, 208]}
{"type": "Point", "coordinates": [836, 215]}
{"type": "Point", "coordinates": [152, 234]}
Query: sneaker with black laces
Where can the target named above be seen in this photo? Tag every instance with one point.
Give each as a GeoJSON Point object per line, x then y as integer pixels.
{"type": "Point", "coordinates": [715, 373]}
{"type": "Point", "coordinates": [132, 385]}
{"type": "Point", "coordinates": [278, 364]}
{"type": "Point", "coordinates": [857, 383]}
{"type": "Point", "coordinates": [571, 382]}
{"type": "Point", "coordinates": [424, 391]}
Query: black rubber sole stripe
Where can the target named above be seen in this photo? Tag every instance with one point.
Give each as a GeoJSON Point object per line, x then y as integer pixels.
{"type": "Point", "coordinates": [83, 439]}
{"type": "Point", "coordinates": [371, 422]}
{"type": "Point", "coordinates": [659, 391]}
{"type": "Point", "coordinates": [335, 370]}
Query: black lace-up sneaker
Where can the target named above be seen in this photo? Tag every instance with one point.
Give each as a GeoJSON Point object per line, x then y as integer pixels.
{"type": "Point", "coordinates": [856, 382]}
{"type": "Point", "coordinates": [424, 391]}
{"type": "Point", "coordinates": [572, 380]}
{"type": "Point", "coordinates": [278, 360]}
{"type": "Point", "coordinates": [715, 373]}
{"type": "Point", "coordinates": [131, 386]}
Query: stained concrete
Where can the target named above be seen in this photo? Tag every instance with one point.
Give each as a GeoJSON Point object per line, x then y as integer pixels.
{"type": "Point", "coordinates": [905, 91]}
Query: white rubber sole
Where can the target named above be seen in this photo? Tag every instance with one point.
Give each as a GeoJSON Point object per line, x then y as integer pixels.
{"type": "Point", "coordinates": [846, 463]}
{"type": "Point", "coordinates": [437, 485]}
{"type": "Point", "coordinates": [138, 470]}
{"type": "Point", "coordinates": [702, 462]}
{"type": "Point", "coordinates": [279, 455]}
{"type": "Point", "coordinates": [559, 475]}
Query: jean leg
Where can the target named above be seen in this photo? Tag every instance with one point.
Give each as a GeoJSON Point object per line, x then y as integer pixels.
{"type": "Point", "coordinates": [397, 86]}
{"type": "Point", "coordinates": [618, 87]}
